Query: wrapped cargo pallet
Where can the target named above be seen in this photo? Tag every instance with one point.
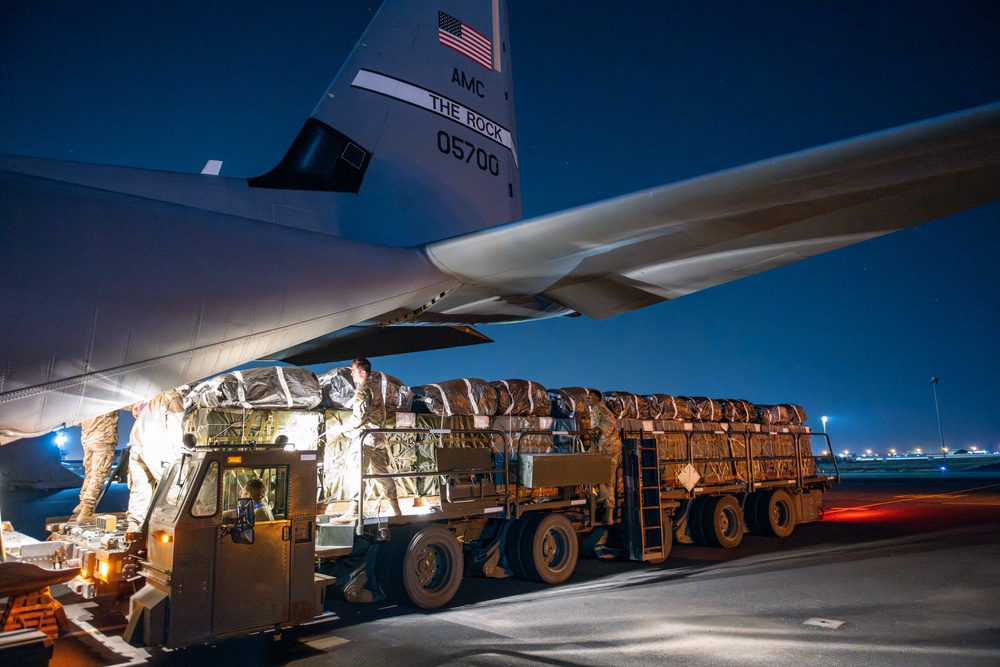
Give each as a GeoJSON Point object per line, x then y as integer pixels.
{"type": "Point", "coordinates": [796, 414]}
{"type": "Point", "coordinates": [338, 390]}
{"type": "Point", "coordinates": [666, 407]}
{"type": "Point", "coordinates": [465, 396]}
{"type": "Point", "coordinates": [272, 387]}
{"type": "Point", "coordinates": [736, 410]}
{"type": "Point", "coordinates": [624, 405]}
{"type": "Point", "coordinates": [703, 408]}
{"type": "Point", "coordinates": [805, 448]}
{"type": "Point", "coordinates": [515, 426]}
{"type": "Point", "coordinates": [521, 397]}
{"type": "Point", "coordinates": [568, 402]}
{"type": "Point", "coordinates": [771, 414]}
{"type": "Point", "coordinates": [408, 452]}
{"type": "Point", "coordinates": [236, 426]}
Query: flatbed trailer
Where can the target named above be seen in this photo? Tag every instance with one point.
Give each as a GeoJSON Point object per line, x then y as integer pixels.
{"type": "Point", "coordinates": [478, 500]}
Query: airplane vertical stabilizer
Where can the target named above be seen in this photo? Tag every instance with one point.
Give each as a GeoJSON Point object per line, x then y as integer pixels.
{"type": "Point", "coordinates": [417, 130]}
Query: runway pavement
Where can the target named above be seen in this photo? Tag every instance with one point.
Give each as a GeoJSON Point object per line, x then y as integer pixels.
{"type": "Point", "coordinates": [900, 572]}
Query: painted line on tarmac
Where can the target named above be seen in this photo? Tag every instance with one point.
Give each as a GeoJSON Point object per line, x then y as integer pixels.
{"type": "Point", "coordinates": [911, 498]}
{"type": "Point", "coordinates": [327, 642]}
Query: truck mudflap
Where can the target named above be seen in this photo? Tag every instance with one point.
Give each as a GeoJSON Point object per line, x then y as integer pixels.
{"type": "Point", "coordinates": [147, 617]}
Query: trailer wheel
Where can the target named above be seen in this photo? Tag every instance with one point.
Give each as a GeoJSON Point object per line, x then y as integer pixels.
{"type": "Point", "coordinates": [549, 549]}
{"type": "Point", "coordinates": [512, 545]}
{"type": "Point", "coordinates": [750, 512]}
{"type": "Point", "coordinates": [694, 519]}
{"type": "Point", "coordinates": [722, 522]}
{"type": "Point", "coordinates": [424, 567]}
{"type": "Point", "coordinates": [776, 514]}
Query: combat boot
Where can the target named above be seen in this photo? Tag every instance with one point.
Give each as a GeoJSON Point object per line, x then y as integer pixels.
{"type": "Point", "coordinates": [349, 516]}
{"type": "Point", "coordinates": [394, 508]}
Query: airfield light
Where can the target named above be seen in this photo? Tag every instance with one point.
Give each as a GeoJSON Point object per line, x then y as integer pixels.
{"type": "Point", "coordinates": [823, 419]}
{"type": "Point", "coordinates": [892, 452]}
{"type": "Point", "coordinates": [869, 452]}
{"type": "Point", "coordinates": [918, 450]}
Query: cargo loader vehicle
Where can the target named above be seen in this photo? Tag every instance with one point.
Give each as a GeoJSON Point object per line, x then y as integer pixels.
{"type": "Point", "coordinates": [482, 496]}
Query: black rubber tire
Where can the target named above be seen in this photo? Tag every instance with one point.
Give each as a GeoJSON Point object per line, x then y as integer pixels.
{"type": "Point", "coordinates": [776, 514]}
{"type": "Point", "coordinates": [421, 566]}
{"type": "Point", "coordinates": [722, 522]}
{"type": "Point", "coordinates": [750, 512]}
{"type": "Point", "coordinates": [549, 549]}
{"type": "Point", "coordinates": [512, 542]}
{"type": "Point", "coordinates": [694, 522]}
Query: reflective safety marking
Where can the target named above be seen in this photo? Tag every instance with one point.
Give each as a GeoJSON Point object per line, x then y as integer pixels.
{"type": "Point", "coordinates": [491, 510]}
{"type": "Point", "coordinates": [436, 104]}
{"type": "Point", "coordinates": [327, 642]}
{"type": "Point", "coordinates": [578, 502]}
{"type": "Point", "coordinates": [824, 623]}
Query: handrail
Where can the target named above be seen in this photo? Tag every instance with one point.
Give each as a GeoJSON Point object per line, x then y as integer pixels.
{"type": "Point", "coordinates": [752, 480]}
{"type": "Point", "coordinates": [517, 481]}
{"type": "Point", "coordinates": [489, 432]}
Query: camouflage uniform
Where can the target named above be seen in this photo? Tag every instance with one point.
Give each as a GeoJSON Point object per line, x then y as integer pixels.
{"type": "Point", "coordinates": [609, 442]}
{"type": "Point", "coordinates": [99, 437]}
{"type": "Point", "coordinates": [368, 411]}
{"type": "Point", "coordinates": [155, 443]}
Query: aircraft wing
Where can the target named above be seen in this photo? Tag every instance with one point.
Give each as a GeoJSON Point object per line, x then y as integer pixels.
{"type": "Point", "coordinates": [633, 251]}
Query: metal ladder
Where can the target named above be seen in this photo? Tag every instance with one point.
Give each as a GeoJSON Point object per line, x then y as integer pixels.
{"type": "Point", "coordinates": [644, 524]}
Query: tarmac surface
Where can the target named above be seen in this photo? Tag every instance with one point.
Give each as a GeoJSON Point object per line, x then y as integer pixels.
{"type": "Point", "coordinates": [901, 571]}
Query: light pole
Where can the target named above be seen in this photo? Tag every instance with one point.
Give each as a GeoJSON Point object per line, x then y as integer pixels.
{"type": "Point", "coordinates": [937, 410]}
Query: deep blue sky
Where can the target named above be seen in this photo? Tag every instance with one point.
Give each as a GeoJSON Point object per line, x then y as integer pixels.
{"type": "Point", "coordinates": [610, 98]}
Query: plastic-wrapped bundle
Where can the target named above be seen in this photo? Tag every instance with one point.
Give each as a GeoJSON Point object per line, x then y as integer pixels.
{"type": "Point", "coordinates": [465, 396]}
{"type": "Point", "coordinates": [664, 406]}
{"type": "Point", "coordinates": [796, 414]}
{"type": "Point", "coordinates": [273, 387]}
{"type": "Point", "coordinates": [771, 414]}
{"type": "Point", "coordinates": [338, 390]}
{"type": "Point", "coordinates": [736, 410]}
{"type": "Point", "coordinates": [704, 409]}
{"type": "Point", "coordinates": [521, 397]}
{"type": "Point", "coordinates": [567, 402]}
{"type": "Point", "coordinates": [786, 413]}
{"type": "Point", "coordinates": [625, 405]}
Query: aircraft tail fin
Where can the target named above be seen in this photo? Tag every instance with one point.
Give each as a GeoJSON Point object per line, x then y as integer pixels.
{"type": "Point", "coordinates": [416, 134]}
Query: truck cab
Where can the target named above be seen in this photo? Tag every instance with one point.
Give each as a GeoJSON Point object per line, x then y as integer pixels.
{"type": "Point", "coordinates": [211, 572]}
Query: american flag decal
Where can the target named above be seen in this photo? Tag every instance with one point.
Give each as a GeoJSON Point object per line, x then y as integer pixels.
{"type": "Point", "coordinates": [470, 43]}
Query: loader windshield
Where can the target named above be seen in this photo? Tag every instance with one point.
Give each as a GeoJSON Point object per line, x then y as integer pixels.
{"type": "Point", "coordinates": [175, 489]}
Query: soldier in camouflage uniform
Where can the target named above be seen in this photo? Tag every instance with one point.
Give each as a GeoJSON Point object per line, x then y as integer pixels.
{"type": "Point", "coordinates": [604, 430]}
{"type": "Point", "coordinates": [368, 411]}
{"type": "Point", "coordinates": [155, 443]}
{"type": "Point", "coordinates": [99, 437]}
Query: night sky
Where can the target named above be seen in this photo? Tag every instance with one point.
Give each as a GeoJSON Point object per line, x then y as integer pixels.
{"type": "Point", "coordinates": [611, 98]}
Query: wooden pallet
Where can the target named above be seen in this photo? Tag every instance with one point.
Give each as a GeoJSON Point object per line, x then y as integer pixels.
{"type": "Point", "coordinates": [37, 610]}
